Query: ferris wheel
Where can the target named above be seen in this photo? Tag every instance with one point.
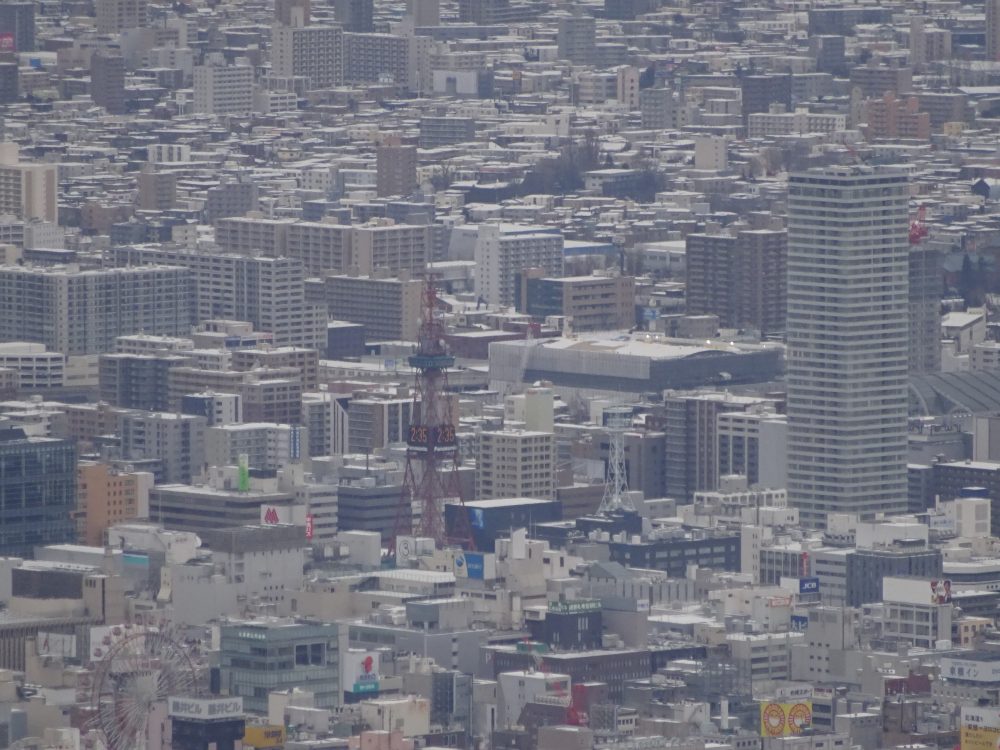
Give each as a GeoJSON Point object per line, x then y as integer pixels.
{"type": "Point", "coordinates": [138, 668]}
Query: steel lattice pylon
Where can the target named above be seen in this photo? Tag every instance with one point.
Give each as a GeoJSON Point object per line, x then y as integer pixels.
{"type": "Point", "coordinates": [432, 460]}
{"type": "Point", "coordinates": [617, 420]}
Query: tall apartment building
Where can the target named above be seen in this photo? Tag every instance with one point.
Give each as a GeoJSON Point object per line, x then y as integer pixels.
{"type": "Point", "coordinates": [107, 81]}
{"type": "Point", "coordinates": [18, 18]}
{"type": "Point", "coordinates": [107, 497]}
{"type": "Point", "coordinates": [37, 492]}
{"type": "Point", "coordinates": [157, 190]}
{"type": "Point", "coordinates": [321, 247]}
{"type": "Point", "coordinates": [176, 441]}
{"type": "Point", "coordinates": [355, 15]}
{"type": "Point", "coordinates": [889, 117]}
{"type": "Point", "coordinates": [27, 191]}
{"type": "Point", "coordinates": [230, 198]}
{"type": "Point", "coordinates": [925, 308]}
{"type": "Point", "coordinates": [395, 168]}
{"type": "Point", "coordinates": [37, 368]}
{"type": "Point", "coordinates": [370, 58]}
{"type": "Point", "coordinates": [444, 130]}
{"type": "Point", "coordinates": [589, 303]}
{"type": "Point", "coordinates": [248, 235]}
{"type": "Point", "coordinates": [502, 250]}
{"type": "Point", "coordinates": [847, 332]}
{"type": "Point", "coordinates": [223, 89]}
{"type": "Point", "coordinates": [113, 16]}
{"type": "Point", "coordinates": [383, 246]}
{"type": "Point", "coordinates": [993, 30]}
{"type": "Point", "coordinates": [388, 308]}
{"type": "Point", "coordinates": [576, 37]}
{"type": "Point", "coordinates": [516, 463]}
{"type": "Point", "coordinates": [77, 311]}
{"type": "Point", "coordinates": [267, 292]}
{"type": "Point", "coordinates": [316, 52]}
{"type": "Point", "coordinates": [740, 278]}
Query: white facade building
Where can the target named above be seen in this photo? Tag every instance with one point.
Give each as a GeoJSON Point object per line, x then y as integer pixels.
{"type": "Point", "coordinates": [847, 325]}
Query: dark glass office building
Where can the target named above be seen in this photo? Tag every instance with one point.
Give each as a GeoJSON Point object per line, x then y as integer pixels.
{"type": "Point", "coordinates": [37, 492]}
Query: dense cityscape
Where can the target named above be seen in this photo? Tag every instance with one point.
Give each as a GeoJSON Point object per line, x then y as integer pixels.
{"type": "Point", "coordinates": [499, 374]}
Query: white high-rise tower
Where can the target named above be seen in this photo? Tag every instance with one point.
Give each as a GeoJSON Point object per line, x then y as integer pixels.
{"type": "Point", "coordinates": [848, 249]}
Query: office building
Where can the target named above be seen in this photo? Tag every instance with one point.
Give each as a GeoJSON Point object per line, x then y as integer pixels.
{"type": "Point", "coordinates": [137, 381]}
{"type": "Point", "coordinates": [268, 446]}
{"type": "Point", "coordinates": [107, 81]}
{"type": "Point", "coordinates": [267, 655]}
{"type": "Point", "coordinates": [115, 16]}
{"type": "Point", "coordinates": [740, 278]}
{"type": "Point", "coordinates": [10, 88]}
{"type": "Point", "coordinates": [396, 168]}
{"type": "Point", "coordinates": [993, 30]}
{"type": "Point", "coordinates": [424, 12]}
{"type": "Point", "coordinates": [388, 308]}
{"type": "Point", "coordinates": [588, 303]}
{"type": "Point", "coordinates": [516, 463]}
{"type": "Point", "coordinates": [689, 421]}
{"type": "Point", "coordinates": [217, 408]}
{"type": "Point", "coordinates": [355, 15]}
{"type": "Point", "coordinates": [925, 308]}
{"type": "Point", "coordinates": [753, 444]}
{"type": "Point", "coordinates": [223, 89]}
{"type": "Point", "coordinates": [503, 250]}
{"type": "Point", "coordinates": [373, 503]}
{"type": "Point", "coordinates": [206, 723]}
{"type": "Point", "coordinates": [37, 492]}
{"type": "Point", "coordinates": [759, 92]}
{"type": "Point", "coordinates": [108, 496]}
{"type": "Point", "coordinates": [315, 52]}
{"type": "Point", "coordinates": [847, 342]}
{"type": "Point", "coordinates": [77, 311]}
{"type": "Point", "coordinates": [377, 420]}
{"type": "Point", "coordinates": [293, 12]}
{"type": "Point", "coordinates": [18, 19]}
{"type": "Point", "coordinates": [175, 441]}
{"type": "Point", "coordinates": [220, 504]}
{"type": "Point", "coordinates": [27, 191]}
{"type": "Point", "coordinates": [576, 36]}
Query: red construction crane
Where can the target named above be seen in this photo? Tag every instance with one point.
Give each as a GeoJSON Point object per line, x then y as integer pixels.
{"type": "Point", "coordinates": [918, 227]}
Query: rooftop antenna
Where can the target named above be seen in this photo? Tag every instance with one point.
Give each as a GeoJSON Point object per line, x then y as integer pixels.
{"type": "Point", "coordinates": [617, 419]}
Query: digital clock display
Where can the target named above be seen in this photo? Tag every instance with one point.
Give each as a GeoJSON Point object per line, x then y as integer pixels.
{"type": "Point", "coordinates": [430, 436]}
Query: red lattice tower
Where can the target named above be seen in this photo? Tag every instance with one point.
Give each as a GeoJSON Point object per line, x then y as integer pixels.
{"type": "Point", "coordinates": [432, 460]}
